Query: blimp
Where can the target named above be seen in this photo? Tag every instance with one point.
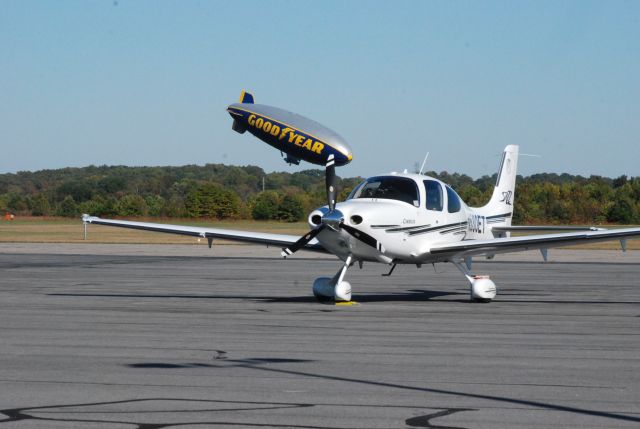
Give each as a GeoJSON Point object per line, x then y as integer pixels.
{"type": "Point", "coordinates": [298, 138]}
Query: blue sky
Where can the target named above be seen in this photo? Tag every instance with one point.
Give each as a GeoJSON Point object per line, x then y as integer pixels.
{"type": "Point", "coordinates": [147, 82]}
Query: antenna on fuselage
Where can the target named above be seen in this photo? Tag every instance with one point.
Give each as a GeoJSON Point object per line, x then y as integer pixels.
{"type": "Point", "coordinates": [424, 162]}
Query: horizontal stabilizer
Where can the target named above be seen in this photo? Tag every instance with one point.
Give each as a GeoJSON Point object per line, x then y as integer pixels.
{"type": "Point", "coordinates": [246, 97]}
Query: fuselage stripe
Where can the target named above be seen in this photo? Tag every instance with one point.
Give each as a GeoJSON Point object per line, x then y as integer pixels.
{"type": "Point", "coordinates": [457, 228]}
{"type": "Point", "coordinates": [408, 228]}
{"type": "Point", "coordinates": [499, 215]}
{"type": "Point", "coordinates": [437, 228]}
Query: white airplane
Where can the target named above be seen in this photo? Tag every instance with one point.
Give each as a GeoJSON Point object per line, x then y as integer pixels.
{"type": "Point", "coordinates": [406, 219]}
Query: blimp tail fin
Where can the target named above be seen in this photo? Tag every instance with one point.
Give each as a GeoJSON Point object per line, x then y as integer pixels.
{"type": "Point", "coordinates": [246, 97]}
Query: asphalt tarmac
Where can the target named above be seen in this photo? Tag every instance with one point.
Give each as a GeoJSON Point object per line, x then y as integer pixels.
{"type": "Point", "coordinates": [148, 337]}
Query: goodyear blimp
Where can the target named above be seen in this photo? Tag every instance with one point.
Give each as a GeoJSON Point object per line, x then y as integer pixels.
{"type": "Point", "coordinates": [298, 137]}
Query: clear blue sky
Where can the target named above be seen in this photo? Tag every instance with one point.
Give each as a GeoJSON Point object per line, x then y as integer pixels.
{"type": "Point", "coordinates": [147, 82]}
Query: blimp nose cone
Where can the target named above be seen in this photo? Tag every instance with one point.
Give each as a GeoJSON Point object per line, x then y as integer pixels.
{"type": "Point", "coordinates": [344, 150]}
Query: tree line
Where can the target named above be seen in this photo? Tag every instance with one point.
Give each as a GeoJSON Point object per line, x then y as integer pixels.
{"type": "Point", "coordinates": [217, 191]}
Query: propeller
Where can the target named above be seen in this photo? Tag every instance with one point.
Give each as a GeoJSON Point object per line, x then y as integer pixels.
{"type": "Point", "coordinates": [363, 236]}
{"type": "Point", "coordinates": [354, 232]}
{"type": "Point", "coordinates": [286, 251]}
{"type": "Point", "coordinates": [330, 182]}
{"type": "Point", "coordinates": [333, 218]}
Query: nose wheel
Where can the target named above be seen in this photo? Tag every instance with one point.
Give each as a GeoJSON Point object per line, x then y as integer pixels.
{"type": "Point", "coordinates": [334, 288]}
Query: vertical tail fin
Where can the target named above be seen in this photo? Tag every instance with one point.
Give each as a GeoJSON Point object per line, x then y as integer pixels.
{"type": "Point", "coordinates": [503, 196]}
{"type": "Point", "coordinates": [246, 97]}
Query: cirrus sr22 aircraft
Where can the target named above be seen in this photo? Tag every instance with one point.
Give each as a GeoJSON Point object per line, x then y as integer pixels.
{"type": "Point", "coordinates": [395, 219]}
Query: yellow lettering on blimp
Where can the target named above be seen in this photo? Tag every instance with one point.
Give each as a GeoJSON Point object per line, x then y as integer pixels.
{"type": "Point", "coordinates": [275, 130]}
{"type": "Point", "coordinates": [292, 136]}
{"type": "Point", "coordinates": [284, 132]}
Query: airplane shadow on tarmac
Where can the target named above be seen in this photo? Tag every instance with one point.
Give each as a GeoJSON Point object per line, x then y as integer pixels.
{"type": "Point", "coordinates": [194, 412]}
{"type": "Point", "coordinates": [413, 295]}
{"type": "Point", "coordinates": [74, 412]}
{"type": "Point", "coordinates": [408, 296]}
{"type": "Point", "coordinates": [423, 421]}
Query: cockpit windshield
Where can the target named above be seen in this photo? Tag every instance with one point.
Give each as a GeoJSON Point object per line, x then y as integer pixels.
{"type": "Point", "coordinates": [389, 188]}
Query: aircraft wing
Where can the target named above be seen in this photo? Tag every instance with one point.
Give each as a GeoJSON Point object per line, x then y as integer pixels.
{"type": "Point", "coordinates": [281, 240]}
{"type": "Point", "coordinates": [462, 249]}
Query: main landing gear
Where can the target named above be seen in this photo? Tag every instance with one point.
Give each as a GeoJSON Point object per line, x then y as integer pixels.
{"type": "Point", "coordinates": [482, 288]}
{"type": "Point", "coordinates": [334, 288]}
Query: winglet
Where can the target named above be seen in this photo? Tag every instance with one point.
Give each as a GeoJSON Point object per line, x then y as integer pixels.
{"type": "Point", "coordinates": [246, 97]}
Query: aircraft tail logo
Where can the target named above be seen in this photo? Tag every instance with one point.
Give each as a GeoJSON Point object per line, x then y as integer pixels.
{"type": "Point", "coordinates": [506, 198]}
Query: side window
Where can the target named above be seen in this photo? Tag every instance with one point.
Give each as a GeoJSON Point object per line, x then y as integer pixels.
{"type": "Point", "coordinates": [453, 201]}
{"type": "Point", "coordinates": [434, 195]}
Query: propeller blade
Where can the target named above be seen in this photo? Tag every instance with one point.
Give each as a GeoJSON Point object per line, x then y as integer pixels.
{"type": "Point", "coordinates": [363, 236]}
{"type": "Point", "coordinates": [286, 251]}
{"type": "Point", "coordinates": [330, 179]}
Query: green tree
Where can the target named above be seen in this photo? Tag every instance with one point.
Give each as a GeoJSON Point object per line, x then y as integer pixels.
{"type": "Point", "coordinates": [213, 201]}
{"type": "Point", "coordinates": [265, 206]}
{"type": "Point", "coordinates": [290, 208]}
{"type": "Point", "coordinates": [131, 205]}
{"type": "Point", "coordinates": [175, 207]}
{"type": "Point", "coordinates": [79, 190]}
{"type": "Point", "coordinates": [40, 206]}
{"type": "Point", "coordinates": [111, 184]}
{"type": "Point", "coordinates": [95, 207]}
{"type": "Point", "coordinates": [155, 205]}
{"type": "Point", "coordinates": [68, 207]}
{"type": "Point", "coordinates": [17, 203]}
{"type": "Point", "coordinates": [624, 208]}
{"type": "Point", "coordinates": [622, 211]}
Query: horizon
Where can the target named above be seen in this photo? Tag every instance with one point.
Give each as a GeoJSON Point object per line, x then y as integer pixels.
{"type": "Point", "coordinates": [316, 168]}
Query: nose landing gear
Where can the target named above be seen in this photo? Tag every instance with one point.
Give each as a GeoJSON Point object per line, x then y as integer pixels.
{"type": "Point", "coordinates": [334, 288]}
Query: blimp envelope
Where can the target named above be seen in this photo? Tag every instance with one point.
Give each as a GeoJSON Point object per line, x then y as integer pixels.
{"type": "Point", "coordinates": [295, 135]}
